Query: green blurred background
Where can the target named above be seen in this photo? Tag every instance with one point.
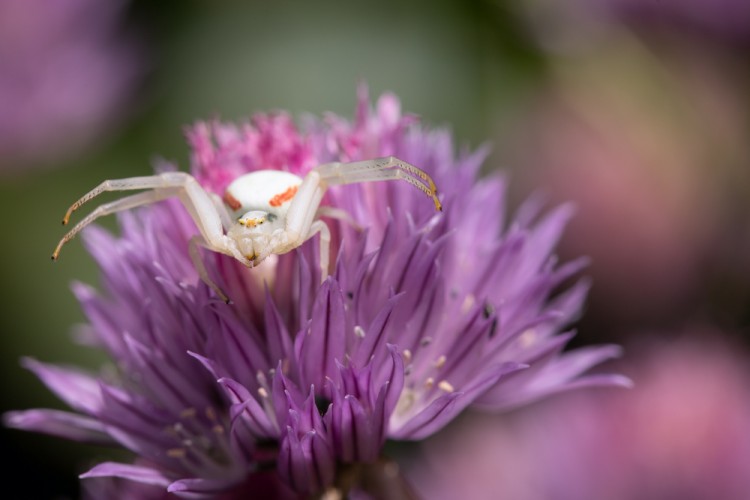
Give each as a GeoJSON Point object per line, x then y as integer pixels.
{"type": "Point", "coordinates": [562, 96]}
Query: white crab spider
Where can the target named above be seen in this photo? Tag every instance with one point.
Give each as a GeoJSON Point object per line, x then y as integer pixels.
{"type": "Point", "coordinates": [262, 213]}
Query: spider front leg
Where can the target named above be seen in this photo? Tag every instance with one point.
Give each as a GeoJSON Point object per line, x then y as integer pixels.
{"type": "Point", "coordinates": [301, 224]}
{"type": "Point", "coordinates": [155, 182]}
{"type": "Point", "coordinates": [337, 213]}
{"type": "Point", "coordinates": [379, 169]}
{"type": "Point", "coordinates": [200, 266]}
{"type": "Point", "coordinates": [195, 199]}
{"type": "Point", "coordinates": [110, 208]}
{"type": "Point", "coordinates": [208, 214]}
{"type": "Point", "coordinates": [320, 227]}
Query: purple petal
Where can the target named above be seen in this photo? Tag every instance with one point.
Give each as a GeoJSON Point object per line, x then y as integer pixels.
{"type": "Point", "coordinates": [279, 341]}
{"type": "Point", "coordinates": [574, 363]}
{"type": "Point", "coordinates": [140, 474]}
{"type": "Point", "coordinates": [200, 487]}
{"type": "Point", "coordinates": [292, 463]}
{"type": "Point", "coordinates": [321, 460]}
{"type": "Point", "coordinates": [468, 351]}
{"type": "Point", "coordinates": [306, 464]}
{"type": "Point", "coordinates": [375, 333]}
{"type": "Point", "coordinates": [78, 389]}
{"type": "Point", "coordinates": [395, 380]}
{"type": "Point", "coordinates": [351, 424]}
{"type": "Point", "coordinates": [100, 316]}
{"type": "Point", "coordinates": [59, 423]}
{"type": "Point", "coordinates": [215, 369]}
{"type": "Point", "coordinates": [247, 412]}
{"type": "Point", "coordinates": [285, 396]}
{"type": "Point", "coordinates": [240, 348]}
{"type": "Point", "coordinates": [436, 415]}
{"type": "Point", "coordinates": [324, 341]}
{"type": "Point", "coordinates": [237, 392]}
{"type": "Point", "coordinates": [547, 233]}
{"type": "Point", "coordinates": [252, 416]}
{"type": "Point", "coordinates": [166, 382]}
{"type": "Point", "coordinates": [550, 373]}
{"type": "Point", "coordinates": [366, 435]}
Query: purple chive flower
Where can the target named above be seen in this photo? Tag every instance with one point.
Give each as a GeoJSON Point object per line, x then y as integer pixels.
{"type": "Point", "coordinates": [64, 73]}
{"type": "Point", "coordinates": [423, 315]}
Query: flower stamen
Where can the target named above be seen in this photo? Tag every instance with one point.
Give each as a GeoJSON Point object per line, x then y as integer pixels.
{"type": "Point", "coordinates": [406, 353]}
{"type": "Point", "coordinates": [468, 303]}
{"type": "Point", "coordinates": [440, 362]}
{"type": "Point", "coordinates": [405, 401]}
{"type": "Point", "coordinates": [446, 386]}
{"type": "Point", "coordinates": [176, 452]}
{"type": "Point", "coordinates": [187, 413]}
{"type": "Point", "coordinates": [527, 338]}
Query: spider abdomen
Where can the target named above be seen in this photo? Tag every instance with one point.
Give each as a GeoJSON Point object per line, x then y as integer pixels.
{"type": "Point", "coordinates": [266, 190]}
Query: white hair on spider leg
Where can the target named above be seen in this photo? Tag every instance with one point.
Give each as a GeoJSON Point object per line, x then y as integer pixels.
{"type": "Point", "coordinates": [263, 213]}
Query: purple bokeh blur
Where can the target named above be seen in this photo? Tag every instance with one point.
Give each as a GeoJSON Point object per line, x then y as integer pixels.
{"type": "Point", "coordinates": [67, 70]}
{"type": "Point", "coordinates": [680, 434]}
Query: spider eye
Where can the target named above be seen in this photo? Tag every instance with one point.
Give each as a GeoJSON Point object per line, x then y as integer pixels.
{"type": "Point", "coordinates": [253, 218]}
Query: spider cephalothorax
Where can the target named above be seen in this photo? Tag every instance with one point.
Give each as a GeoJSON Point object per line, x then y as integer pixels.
{"type": "Point", "coordinates": [262, 213]}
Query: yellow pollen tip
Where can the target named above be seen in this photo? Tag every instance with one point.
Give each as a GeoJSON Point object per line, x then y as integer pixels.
{"type": "Point", "coordinates": [444, 385]}
{"type": "Point", "coordinates": [406, 353]}
{"type": "Point", "coordinates": [440, 362]}
{"type": "Point", "coordinates": [176, 453]}
{"type": "Point", "coordinates": [527, 338]}
{"type": "Point", "coordinates": [187, 413]}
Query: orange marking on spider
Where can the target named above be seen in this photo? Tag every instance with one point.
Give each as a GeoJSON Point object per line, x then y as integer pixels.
{"type": "Point", "coordinates": [282, 198]}
{"type": "Point", "coordinates": [231, 201]}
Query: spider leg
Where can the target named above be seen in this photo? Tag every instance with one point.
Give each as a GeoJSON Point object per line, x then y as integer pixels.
{"type": "Point", "coordinates": [337, 213]}
{"type": "Point", "coordinates": [325, 245]}
{"type": "Point", "coordinates": [301, 220]}
{"type": "Point", "coordinates": [221, 209]}
{"type": "Point", "coordinates": [200, 266]}
{"type": "Point", "coordinates": [112, 207]}
{"type": "Point", "coordinates": [379, 169]}
{"type": "Point", "coordinates": [194, 198]}
{"type": "Point", "coordinates": [302, 210]}
{"type": "Point", "coordinates": [131, 183]}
